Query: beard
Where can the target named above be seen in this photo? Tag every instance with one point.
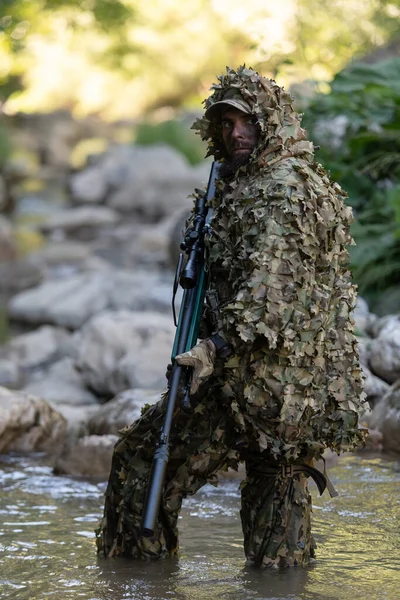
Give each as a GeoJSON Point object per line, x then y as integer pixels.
{"type": "Point", "coordinates": [230, 165]}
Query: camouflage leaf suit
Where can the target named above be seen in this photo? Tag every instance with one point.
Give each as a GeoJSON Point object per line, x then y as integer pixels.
{"type": "Point", "coordinates": [292, 386]}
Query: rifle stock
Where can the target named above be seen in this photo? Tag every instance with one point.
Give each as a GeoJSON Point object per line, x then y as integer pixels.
{"type": "Point", "coordinates": [193, 280]}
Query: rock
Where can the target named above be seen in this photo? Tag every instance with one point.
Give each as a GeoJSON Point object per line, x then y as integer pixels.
{"type": "Point", "coordinates": [386, 418]}
{"type": "Point", "coordinates": [70, 302]}
{"type": "Point", "coordinates": [90, 456]}
{"type": "Point", "coordinates": [140, 291]}
{"type": "Point", "coordinates": [20, 275]}
{"type": "Point", "coordinates": [363, 318]}
{"type": "Point", "coordinates": [10, 374]}
{"type": "Point", "coordinates": [61, 384]}
{"type": "Point", "coordinates": [87, 218]}
{"type": "Point", "coordinates": [121, 350]}
{"type": "Point", "coordinates": [373, 442]}
{"type": "Point", "coordinates": [38, 348]}
{"type": "Point", "coordinates": [176, 235]}
{"type": "Point", "coordinates": [149, 181]}
{"type": "Point", "coordinates": [8, 248]}
{"type": "Point", "coordinates": [149, 248]}
{"type": "Point", "coordinates": [152, 200]}
{"type": "Point", "coordinates": [364, 348]}
{"type": "Point", "coordinates": [374, 387]}
{"type": "Point", "coordinates": [90, 186]}
{"type": "Point", "coordinates": [384, 325]}
{"type": "Point", "coordinates": [77, 418]}
{"type": "Point", "coordinates": [28, 423]}
{"type": "Point", "coordinates": [385, 349]}
{"type": "Point", "coordinates": [63, 252]}
{"type": "Point", "coordinates": [121, 411]}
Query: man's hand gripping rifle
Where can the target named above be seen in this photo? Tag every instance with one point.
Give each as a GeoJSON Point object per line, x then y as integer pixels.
{"type": "Point", "coordinates": [193, 280]}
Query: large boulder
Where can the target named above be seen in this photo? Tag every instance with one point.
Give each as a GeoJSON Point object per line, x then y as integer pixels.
{"type": "Point", "coordinates": [374, 387]}
{"type": "Point", "coordinates": [121, 411]}
{"type": "Point", "coordinates": [386, 418]}
{"type": "Point", "coordinates": [10, 374]}
{"type": "Point", "coordinates": [63, 252]}
{"type": "Point", "coordinates": [363, 318]}
{"type": "Point", "coordinates": [90, 456]}
{"type": "Point", "coordinates": [28, 423]}
{"type": "Point", "coordinates": [20, 275]}
{"type": "Point", "coordinates": [70, 302]}
{"type": "Point", "coordinates": [150, 181]}
{"type": "Point", "coordinates": [385, 349]}
{"type": "Point", "coordinates": [83, 220]}
{"type": "Point", "coordinates": [121, 350]}
{"type": "Point", "coordinates": [38, 348]}
{"type": "Point", "coordinates": [61, 383]}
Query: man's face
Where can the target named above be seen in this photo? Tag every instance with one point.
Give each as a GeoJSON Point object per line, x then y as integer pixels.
{"type": "Point", "coordinates": [240, 133]}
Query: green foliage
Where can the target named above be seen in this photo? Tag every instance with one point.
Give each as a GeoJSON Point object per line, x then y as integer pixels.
{"type": "Point", "coordinates": [124, 58]}
{"type": "Point", "coordinates": [5, 146]}
{"type": "Point", "coordinates": [358, 128]}
{"type": "Point", "coordinates": [4, 326]}
{"type": "Point", "coordinates": [174, 133]}
{"type": "Point", "coordinates": [328, 34]}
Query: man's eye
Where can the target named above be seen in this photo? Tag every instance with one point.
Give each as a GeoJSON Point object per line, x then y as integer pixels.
{"type": "Point", "coordinates": [226, 124]}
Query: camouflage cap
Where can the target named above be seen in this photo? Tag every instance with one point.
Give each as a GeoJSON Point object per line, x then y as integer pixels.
{"type": "Point", "coordinates": [233, 98]}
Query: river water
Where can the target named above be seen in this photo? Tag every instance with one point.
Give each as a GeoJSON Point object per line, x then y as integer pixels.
{"type": "Point", "coordinates": [47, 543]}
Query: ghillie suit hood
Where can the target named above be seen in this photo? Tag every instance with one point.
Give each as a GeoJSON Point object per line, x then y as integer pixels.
{"type": "Point", "coordinates": [280, 132]}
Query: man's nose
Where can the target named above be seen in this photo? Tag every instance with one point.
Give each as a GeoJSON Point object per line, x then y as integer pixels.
{"type": "Point", "coordinates": [238, 131]}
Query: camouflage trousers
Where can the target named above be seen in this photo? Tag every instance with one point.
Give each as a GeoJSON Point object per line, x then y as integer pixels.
{"type": "Point", "coordinates": [275, 511]}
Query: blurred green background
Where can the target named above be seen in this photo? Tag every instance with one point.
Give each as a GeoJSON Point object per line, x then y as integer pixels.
{"type": "Point", "coordinates": [151, 63]}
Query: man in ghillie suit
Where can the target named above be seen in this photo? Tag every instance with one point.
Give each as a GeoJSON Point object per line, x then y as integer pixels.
{"type": "Point", "coordinates": [281, 299]}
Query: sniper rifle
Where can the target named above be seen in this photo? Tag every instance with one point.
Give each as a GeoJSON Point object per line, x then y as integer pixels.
{"type": "Point", "coordinates": [192, 278]}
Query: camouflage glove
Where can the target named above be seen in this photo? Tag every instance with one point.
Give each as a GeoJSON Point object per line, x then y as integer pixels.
{"type": "Point", "coordinates": [201, 357]}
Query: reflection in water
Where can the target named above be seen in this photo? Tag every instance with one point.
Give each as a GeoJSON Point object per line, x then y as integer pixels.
{"type": "Point", "coordinates": [47, 544]}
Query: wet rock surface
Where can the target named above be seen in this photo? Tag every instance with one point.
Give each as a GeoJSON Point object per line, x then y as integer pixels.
{"type": "Point", "coordinates": [90, 456]}
{"type": "Point", "coordinates": [29, 424]}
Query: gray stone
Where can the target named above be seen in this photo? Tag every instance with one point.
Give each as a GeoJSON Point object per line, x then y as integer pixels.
{"type": "Point", "coordinates": [61, 384]}
{"type": "Point", "coordinates": [121, 411]}
{"type": "Point", "coordinates": [90, 456]}
{"type": "Point", "coordinates": [38, 348]}
{"type": "Point", "coordinates": [363, 318]}
{"type": "Point", "coordinates": [148, 181]}
{"type": "Point", "coordinates": [63, 252]}
{"type": "Point", "coordinates": [10, 374]}
{"type": "Point", "coordinates": [121, 350]}
{"type": "Point", "coordinates": [89, 186]}
{"type": "Point", "coordinates": [385, 350]}
{"type": "Point", "coordinates": [374, 387]}
{"type": "Point", "coordinates": [20, 275]}
{"type": "Point", "coordinates": [70, 302]}
{"type": "Point", "coordinates": [28, 423]}
{"type": "Point", "coordinates": [74, 219]}
{"type": "Point", "coordinates": [386, 418]}
{"type": "Point", "coordinates": [77, 418]}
